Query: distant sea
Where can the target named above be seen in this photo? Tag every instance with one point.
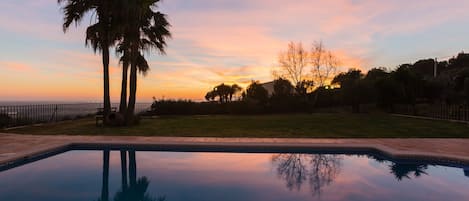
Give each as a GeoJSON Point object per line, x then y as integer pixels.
{"type": "Point", "coordinates": [10, 103]}
{"type": "Point", "coordinates": [28, 112]}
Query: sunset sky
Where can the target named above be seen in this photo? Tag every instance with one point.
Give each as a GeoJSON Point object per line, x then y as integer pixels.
{"type": "Point", "coordinates": [214, 41]}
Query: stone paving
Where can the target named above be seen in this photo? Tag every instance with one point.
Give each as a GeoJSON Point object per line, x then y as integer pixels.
{"type": "Point", "coordinates": [13, 146]}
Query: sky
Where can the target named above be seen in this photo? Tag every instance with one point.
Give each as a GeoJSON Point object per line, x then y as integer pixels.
{"type": "Point", "coordinates": [215, 41]}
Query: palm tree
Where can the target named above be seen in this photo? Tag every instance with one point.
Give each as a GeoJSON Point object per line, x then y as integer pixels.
{"type": "Point", "coordinates": [125, 60]}
{"type": "Point", "coordinates": [145, 29]}
{"type": "Point", "coordinates": [99, 35]}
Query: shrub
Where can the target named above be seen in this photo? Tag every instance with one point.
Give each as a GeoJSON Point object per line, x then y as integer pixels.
{"type": "Point", "coordinates": [4, 120]}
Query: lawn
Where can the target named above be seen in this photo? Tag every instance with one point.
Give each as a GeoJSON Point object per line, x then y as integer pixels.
{"type": "Point", "coordinates": [298, 125]}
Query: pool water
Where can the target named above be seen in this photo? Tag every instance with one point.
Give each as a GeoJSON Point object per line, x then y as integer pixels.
{"type": "Point", "coordinates": [197, 176]}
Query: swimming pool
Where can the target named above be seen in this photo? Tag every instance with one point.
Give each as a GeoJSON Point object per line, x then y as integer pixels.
{"type": "Point", "coordinates": [129, 174]}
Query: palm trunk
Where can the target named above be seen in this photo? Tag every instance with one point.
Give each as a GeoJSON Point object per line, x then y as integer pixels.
{"type": "Point", "coordinates": [105, 186]}
{"type": "Point", "coordinates": [107, 98]}
{"type": "Point", "coordinates": [132, 95]}
{"type": "Point", "coordinates": [123, 101]}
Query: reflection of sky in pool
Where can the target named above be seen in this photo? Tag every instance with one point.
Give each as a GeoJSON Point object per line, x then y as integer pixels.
{"type": "Point", "coordinates": [77, 175]}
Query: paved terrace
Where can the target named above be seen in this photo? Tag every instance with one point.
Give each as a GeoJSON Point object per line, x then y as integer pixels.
{"type": "Point", "coordinates": [14, 147]}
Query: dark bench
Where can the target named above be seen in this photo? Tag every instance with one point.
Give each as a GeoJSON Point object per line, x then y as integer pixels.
{"type": "Point", "coordinates": [100, 115]}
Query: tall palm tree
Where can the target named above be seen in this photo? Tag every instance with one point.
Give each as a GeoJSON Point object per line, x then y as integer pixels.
{"type": "Point", "coordinates": [125, 60]}
{"type": "Point", "coordinates": [145, 29]}
{"type": "Point", "coordinates": [99, 35]}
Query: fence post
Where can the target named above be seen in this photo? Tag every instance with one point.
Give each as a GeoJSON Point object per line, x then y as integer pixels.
{"type": "Point", "coordinates": [445, 109]}
{"type": "Point", "coordinates": [466, 113]}
{"type": "Point", "coordinates": [55, 113]}
{"type": "Point", "coordinates": [440, 115]}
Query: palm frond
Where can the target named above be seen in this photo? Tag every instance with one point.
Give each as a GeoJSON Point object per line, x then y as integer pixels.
{"type": "Point", "coordinates": [93, 37]}
{"type": "Point", "coordinates": [75, 10]}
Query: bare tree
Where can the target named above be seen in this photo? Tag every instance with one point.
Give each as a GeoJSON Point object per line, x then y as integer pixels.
{"type": "Point", "coordinates": [324, 64]}
{"type": "Point", "coordinates": [293, 63]}
{"type": "Point", "coordinates": [323, 170]}
{"type": "Point", "coordinates": [319, 169]}
{"type": "Point", "coordinates": [292, 169]}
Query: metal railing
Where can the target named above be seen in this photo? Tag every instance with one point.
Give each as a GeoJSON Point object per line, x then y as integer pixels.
{"type": "Point", "coordinates": [437, 111]}
{"type": "Point", "coordinates": [20, 115]}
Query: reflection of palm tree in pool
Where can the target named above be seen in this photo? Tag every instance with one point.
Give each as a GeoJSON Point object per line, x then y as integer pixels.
{"type": "Point", "coordinates": [319, 169]}
{"type": "Point", "coordinates": [403, 170]}
{"type": "Point", "coordinates": [105, 182]}
{"type": "Point", "coordinates": [133, 189]}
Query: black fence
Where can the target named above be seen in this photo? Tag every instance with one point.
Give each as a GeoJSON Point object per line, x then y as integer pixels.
{"type": "Point", "coordinates": [20, 115]}
{"type": "Point", "coordinates": [437, 111]}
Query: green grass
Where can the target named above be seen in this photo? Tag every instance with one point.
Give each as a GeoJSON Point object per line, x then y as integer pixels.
{"type": "Point", "coordinates": [298, 125]}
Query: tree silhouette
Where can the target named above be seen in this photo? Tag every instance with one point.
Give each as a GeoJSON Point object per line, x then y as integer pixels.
{"type": "Point", "coordinates": [123, 48]}
{"type": "Point", "coordinates": [318, 169]}
{"type": "Point", "coordinates": [376, 74]}
{"type": "Point", "coordinates": [324, 64]}
{"type": "Point", "coordinates": [402, 170]}
{"type": "Point", "coordinates": [282, 99]}
{"type": "Point", "coordinates": [100, 36]}
{"type": "Point", "coordinates": [223, 92]}
{"type": "Point", "coordinates": [144, 29]}
{"type": "Point", "coordinates": [234, 89]}
{"type": "Point", "coordinates": [302, 87]}
{"type": "Point", "coordinates": [257, 92]}
{"type": "Point", "coordinates": [210, 96]}
{"type": "Point", "coordinates": [293, 63]}
{"type": "Point", "coordinates": [136, 189]}
{"type": "Point", "coordinates": [352, 87]}
{"type": "Point", "coordinates": [410, 84]}
{"type": "Point", "coordinates": [387, 92]}
{"type": "Point", "coordinates": [282, 88]}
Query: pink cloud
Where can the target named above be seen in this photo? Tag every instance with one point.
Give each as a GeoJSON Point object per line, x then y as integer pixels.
{"type": "Point", "coordinates": [17, 67]}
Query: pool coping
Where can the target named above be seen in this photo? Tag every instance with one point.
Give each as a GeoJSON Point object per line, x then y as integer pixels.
{"type": "Point", "coordinates": [229, 145]}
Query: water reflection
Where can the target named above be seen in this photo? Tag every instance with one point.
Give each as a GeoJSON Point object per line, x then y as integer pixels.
{"type": "Point", "coordinates": [125, 175]}
{"type": "Point", "coordinates": [404, 170]}
{"type": "Point", "coordinates": [132, 189]}
{"type": "Point", "coordinates": [105, 178]}
{"type": "Point", "coordinates": [319, 169]}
